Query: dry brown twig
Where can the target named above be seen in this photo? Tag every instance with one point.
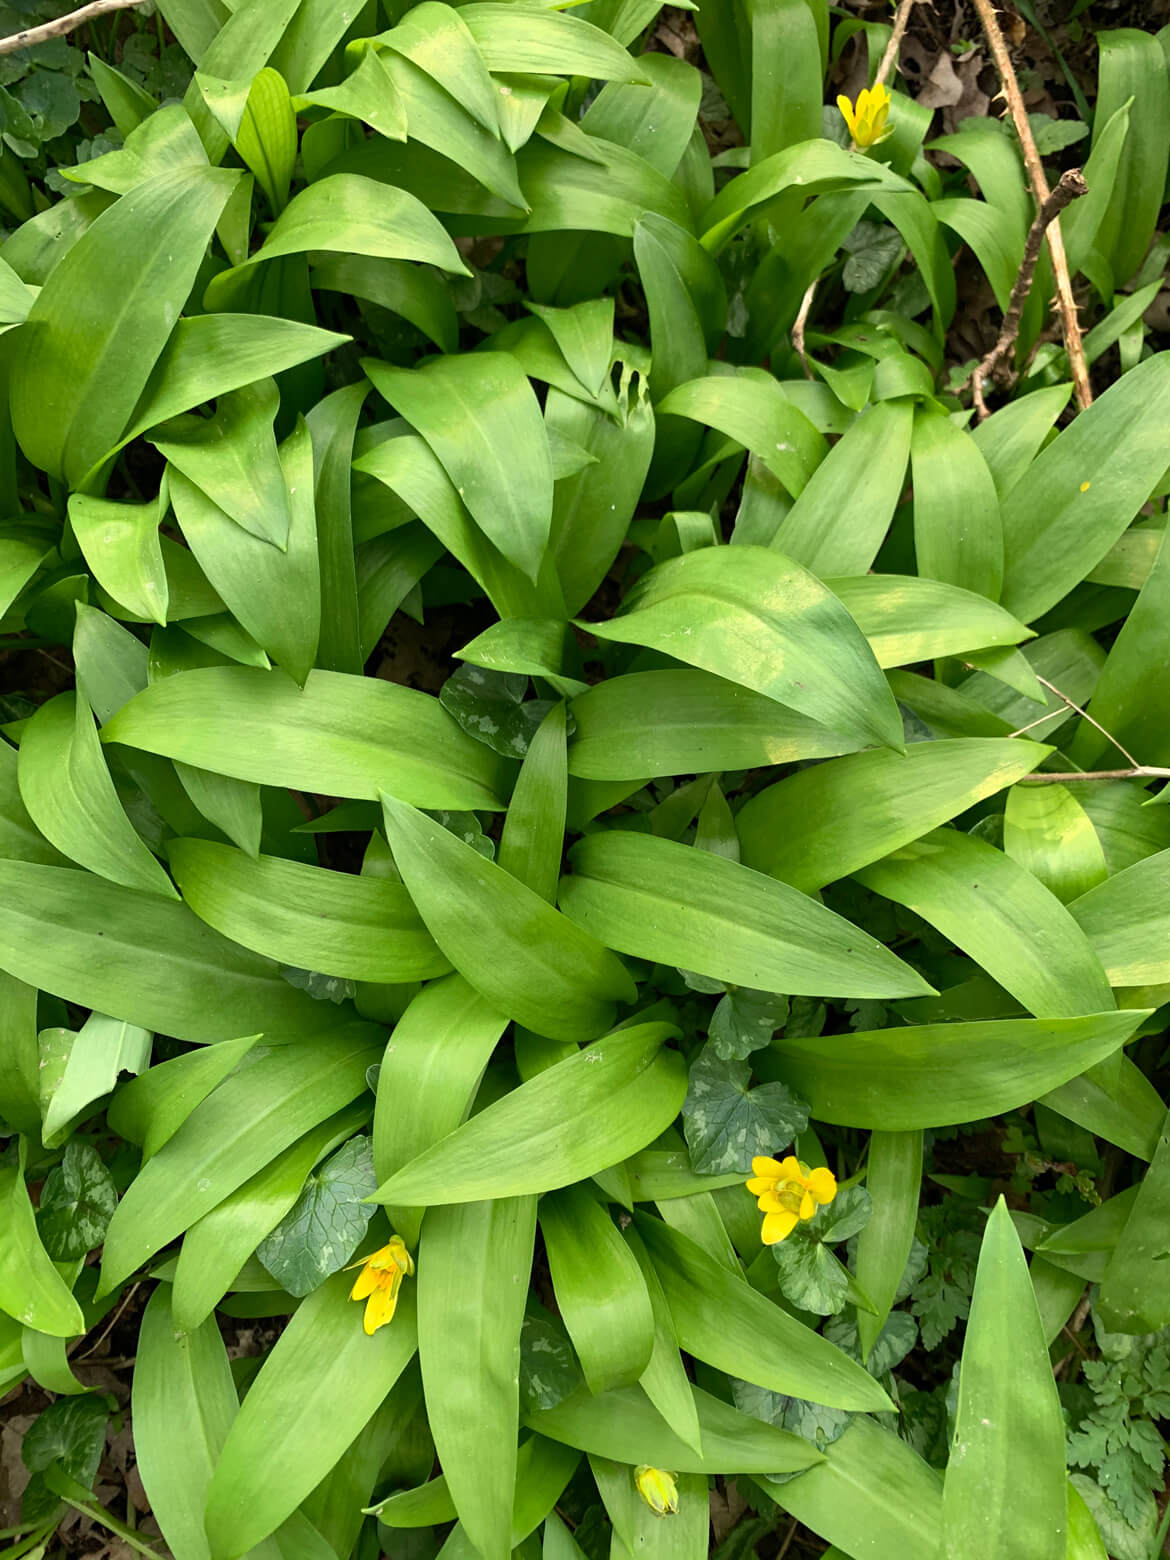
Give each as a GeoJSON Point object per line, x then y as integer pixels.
{"type": "Point", "coordinates": [1071, 186]}
{"type": "Point", "coordinates": [890, 57]}
{"type": "Point", "coordinates": [63, 24]}
{"type": "Point", "coordinates": [1066, 303]}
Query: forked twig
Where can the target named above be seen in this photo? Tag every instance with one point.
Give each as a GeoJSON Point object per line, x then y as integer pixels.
{"type": "Point", "coordinates": [1070, 325]}
{"type": "Point", "coordinates": [1134, 771]}
{"type": "Point", "coordinates": [1071, 186]}
{"type": "Point", "coordinates": [47, 31]}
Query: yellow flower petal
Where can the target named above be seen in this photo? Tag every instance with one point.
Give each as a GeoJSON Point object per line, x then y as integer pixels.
{"type": "Point", "coordinates": [791, 1169]}
{"type": "Point", "coordinates": [364, 1284]}
{"type": "Point", "coordinates": [763, 1166]}
{"type": "Point", "coordinates": [778, 1226]}
{"type": "Point", "coordinates": [380, 1308]}
{"type": "Point", "coordinates": [807, 1206]}
{"type": "Point", "coordinates": [822, 1183]}
{"type": "Point", "coordinates": [847, 114]}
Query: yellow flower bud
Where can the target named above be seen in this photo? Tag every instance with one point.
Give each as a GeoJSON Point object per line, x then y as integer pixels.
{"type": "Point", "coordinates": [658, 1489]}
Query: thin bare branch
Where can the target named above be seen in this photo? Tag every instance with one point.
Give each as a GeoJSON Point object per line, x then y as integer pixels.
{"type": "Point", "coordinates": [1136, 772]}
{"type": "Point", "coordinates": [1096, 724]}
{"type": "Point", "coordinates": [890, 57]}
{"type": "Point", "coordinates": [31, 36]}
{"type": "Point", "coordinates": [799, 324]}
{"type": "Point", "coordinates": [1071, 186]}
{"type": "Point", "coordinates": [1070, 325]}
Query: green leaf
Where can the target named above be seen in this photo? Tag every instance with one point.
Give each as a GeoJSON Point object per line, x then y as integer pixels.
{"type": "Point", "coordinates": [1005, 1481]}
{"type": "Point", "coordinates": [316, 1390]}
{"type": "Point", "coordinates": [893, 1180]}
{"type": "Point", "coordinates": [549, 1371]}
{"type": "Point", "coordinates": [728, 1123]}
{"type": "Point", "coordinates": [929, 1075]}
{"type": "Point", "coordinates": [1133, 1291]}
{"type": "Point", "coordinates": [350, 214]}
{"type": "Point", "coordinates": [491, 707]}
{"type": "Point", "coordinates": [103, 318]}
{"type": "Point", "coordinates": [1054, 527]}
{"type": "Point", "coordinates": [70, 796]}
{"type": "Point", "coordinates": [481, 417]}
{"type": "Point", "coordinates": [625, 1426]}
{"type": "Point", "coordinates": [121, 546]}
{"type": "Point", "coordinates": [438, 40]}
{"type": "Point", "coordinates": [870, 1492]}
{"type": "Point", "coordinates": [183, 1404]}
{"type": "Point", "coordinates": [340, 735]}
{"type": "Point", "coordinates": [357, 928]}
{"type": "Point", "coordinates": [147, 1110]}
{"type": "Point", "coordinates": [958, 534]}
{"type": "Point", "coordinates": [999, 914]}
{"type": "Point", "coordinates": [70, 1435]}
{"type": "Point", "coordinates": [579, 1116]}
{"type": "Point", "coordinates": [231, 458]}
{"type": "Point", "coordinates": [31, 1289]}
{"type": "Point", "coordinates": [368, 93]}
{"type": "Point", "coordinates": [683, 722]}
{"type": "Point", "coordinates": [533, 836]}
{"type": "Point", "coordinates": [811, 165]}
{"type": "Point", "coordinates": [529, 38]}
{"type": "Point", "coordinates": [474, 1263]}
{"type": "Point", "coordinates": [267, 135]}
{"type": "Point", "coordinates": [811, 1277]}
{"type": "Point", "coordinates": [1048, 832]}
{"type": "Point", "coordinates": [1133, 69]}
{"type": "Point", "coordinates": [102, 1048]}
{"type": "Point", "coordinates": [327, 1222]}
{"type": "Point", "coordinates": [660, 900]}
{"type": "Point", "coordinates": [811, 1421]}
{"type": "Point", "coordinates": [751, 616]}
{"type": "Point", "coordinates": [145, 959]}
{"type": "Point", "coordinates": [858, 484]}
{"type": "Point", "coordinates": [236, 1130]}
{"type": "Point", "coordinates": [522, 955]}
{"type": "Point", "coordinates": [1124, 919]}
{"type": "Point", "coordinates": [825, 822]}
{"type": "Point", "coordinates": [744, 1020]}
{"type": "Point", "coordinates": [908, 619]}
{"type": "Point", "coordinates": [757, 412]}
{"type": "Point", "coordinates": [600, 1292]}
{"type": "Point", "coordinates": [720, 1318]}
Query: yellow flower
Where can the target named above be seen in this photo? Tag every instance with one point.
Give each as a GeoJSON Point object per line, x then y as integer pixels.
{"type": "Point", "coordinates": [658, 1489]}
{"type": "Point", "coordinates": [867, 118]}
{"type": "Point", "coordinates": [787, 1191]}
{"type": "Point", "coordinates": [379, 1281]}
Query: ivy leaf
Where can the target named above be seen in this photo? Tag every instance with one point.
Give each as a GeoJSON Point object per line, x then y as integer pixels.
{"type": "Point", "coordinates": [744, 1021]}
{"type": "Point", "coordinates": [325, 1226]}
{"type": "Point", "coordinates": [811, 1276]}
{"type": "Point", "coordinates": [872, 248]}
{"type": "Point", "coordinates": [77, 1202]}
{"type": "Point", "coordinates": [847, 1214]}
{"type": "Point", "coordinates": [890, 1348]}
{"type": "Point", "coordinates": [815, 1422]}
{"type": "Point", "coordinates": [465, 826]}
{"type": "Point", "coordinates": [549, 1371]}
{"type": "Point", "coordinates": [490, 707]}
{"type": "Point", "coordinates": [71, 1434]}
{"type": "Point", "coordinates": [707, 984]}
{"type": "Point", "coordinates": [727, 1123]}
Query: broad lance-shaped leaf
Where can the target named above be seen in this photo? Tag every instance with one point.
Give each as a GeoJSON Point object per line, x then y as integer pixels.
{"type": "Point", "coordinates": [142, 958]}
{"type": "Point", "coordinates": [683, 722]}
{"type": "Point", "coordinates": [231, 459]}
{"type": "Point", "coordinates": [314, 1393]}
{"type": "Point", "coordinates": [352, 214]}
{"type": "Point", "coordinates": [1127, 922]}
{"type": "Point", "coordinates": [237, 1129]}
{"type": "Point", "coordinates": [526, 958]}
{"type": "Point", "coordinates": [70, 797]}
{"type": "Point", "coordinates": [721, 1319]}
{"type": "Point", "coordinates": [894, 1181]}
{"type": "Point", "coordinates": [747, 614]}
{"type": "Point", "coordinates": [579, 1116]}
{"type": "Point", "coordinates": [656, 899]}
{"type": "Point", "coordinates": [479, 414]}
{"type": "Point", "coordinates": [103, 317]}
{"type": "Point", "coordinates": [341, 735]}
{"type": "Point", "coordinates": [899, 1080]}
{"type": "Point", "coordinates": [32, 1291]}
{"type": "Point", "coordinates": [1135, 1296]}
{"type": "Point", "coordinates": [600, 1292]}
{"type": "Point", "coordinates": [435, 1058]}
{"type": "Point", "coordinates": [1004, 1492]}
{"type": "Point", "coordinates": [873, 1495]}
{"type": "Point", "coordinates": [473, 1269]}
{"type": "Point", "coordinates": [1000, 915]}
{"type": "Point", "coordinates": [825, 822]}
{"type": "Point", "coordinates": [625, 1426]}
{"type": "Point", "coordinates": [752, 409]}
{"type": "Point", "coordinates": [1083, 489]}
{"type": "Point", "coordinates": [357, 928]}
{"type": "Point", "coordinates": [907, 619]}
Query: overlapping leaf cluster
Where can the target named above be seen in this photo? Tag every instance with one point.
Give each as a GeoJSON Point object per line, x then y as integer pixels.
{"type": "Point", "coordinates": [730, 829]}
